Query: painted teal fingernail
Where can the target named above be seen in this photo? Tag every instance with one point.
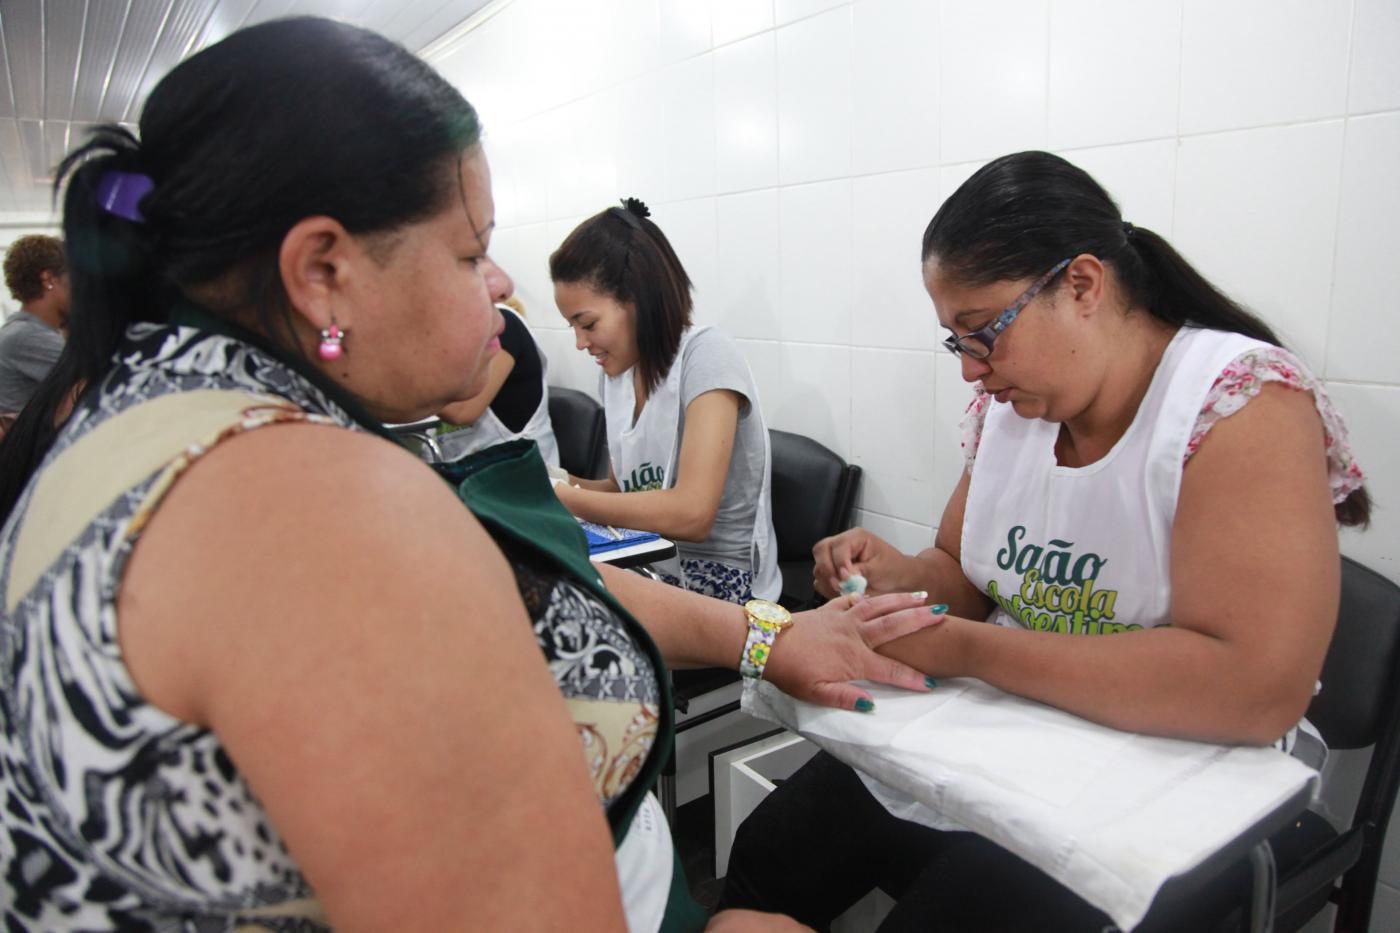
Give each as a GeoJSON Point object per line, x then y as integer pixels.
{"type": "Point", "coordinates": [930, 682]}
{"type": "Point", "coordinates": [864, 706]}
{"type": "Point", "coordinates": [938, 609]}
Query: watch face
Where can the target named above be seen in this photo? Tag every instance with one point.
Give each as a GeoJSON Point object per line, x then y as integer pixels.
{"type": "Point", "coordinates": [766, 613]}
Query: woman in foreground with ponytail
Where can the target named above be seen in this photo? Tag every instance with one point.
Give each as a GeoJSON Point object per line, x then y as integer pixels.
{"type": "Point", "coordinates": [1147, 521]}
{"type": "Point", "coordinates": [259, 667]}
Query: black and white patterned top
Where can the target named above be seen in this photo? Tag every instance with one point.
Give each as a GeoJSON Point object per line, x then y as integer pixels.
{"type": "Point", "coordinates": [118, 816]}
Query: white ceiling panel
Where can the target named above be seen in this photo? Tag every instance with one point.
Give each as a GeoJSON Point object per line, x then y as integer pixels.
{"type": "Point", "coordinates": [68, 64]}
{"type": "Point", "coordinates": [64, 22]}
{"type": "Point", "coordinates": [55, 145]}
{"type": "Point", "coordinates": [7, 96]}
{"type": "Point", "coordinates": [228, 16]}
{"type": "Point", "coordinates": [102, 32]}
{"type": "Point", "coordinates": [144, 23]}
{"type": "Point", "coordinates": [12, 159]}
{"type": "Point", "coordinates": [35, 150]}
{"type": "Point", "coordinates": [179, 36]}
{"type": "Point", "coordinates": [24, 45]}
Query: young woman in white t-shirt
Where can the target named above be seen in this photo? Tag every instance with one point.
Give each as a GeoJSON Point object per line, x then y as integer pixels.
{"type": "Point", "coordinates": [686, 436]}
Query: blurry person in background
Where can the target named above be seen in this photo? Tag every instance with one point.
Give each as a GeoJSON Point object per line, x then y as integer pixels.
{"type": "Point", "coordinates": [36, 273]}
{"type": "Point", "coordinates": [513, 404]}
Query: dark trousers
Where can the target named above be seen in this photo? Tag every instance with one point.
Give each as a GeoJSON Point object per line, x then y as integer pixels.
{"type": "Point", "coordinates": [821, 842]}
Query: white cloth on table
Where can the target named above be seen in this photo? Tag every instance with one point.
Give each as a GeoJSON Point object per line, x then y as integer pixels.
{"type": "Point", "coordinates": [1111, 815]}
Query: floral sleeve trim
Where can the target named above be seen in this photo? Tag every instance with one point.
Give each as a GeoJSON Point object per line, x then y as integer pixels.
{"type": "Point", "coordinates": [973, 419]}
{"type": "Point", "coordinates": [1242, 380]}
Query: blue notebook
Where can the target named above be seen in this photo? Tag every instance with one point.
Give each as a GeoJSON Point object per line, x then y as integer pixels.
{"type": "Point", "coordinates": [607, 538]}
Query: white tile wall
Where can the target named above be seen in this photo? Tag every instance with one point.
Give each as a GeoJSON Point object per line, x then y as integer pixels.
{"type": "Point", "coordinates": [688, 95]}
{"type": "Point", "coordinates": [1375, 68]}
{"type": "Point", "coordinates": [690, 226]}
{"type": "Point", "coordinates": [1257, 62]}
{"type": "Point", "coordinates": [685, 29]}
{"type": "Point", "coordinates": [805, 389]}
{"type": "Point", "coordinates": [1256, 211]}
{"type": "Point", "coordinates": [815, 98]}
{"type": "Point", "coordinates": [892, 432]}
{"type": "Point", "coordinates": [1114, 69]}
{"type": "Point", "coordinates": [746, 113]}
{"type": "Point", "coordinates": [894, 123]}
{"type": "Point", "coordinates": [1385, 911]}
{"type": "Point", "coordinates": [789, 10]}
{"type": "Point", "coordinates": [795, 149]}
{"type": "Point", "coordinates": [748, 296]}
{"type": "Point", "coordinates": [1367, 283]}
{"type": "Point", "coordinates": [891, 211]}
{"type": "Point", "coordinates": [993, 86]}
{"type": "Point", "coordinates": [814, 223]}
{"type": "Point", "coordinates": [736, 19]}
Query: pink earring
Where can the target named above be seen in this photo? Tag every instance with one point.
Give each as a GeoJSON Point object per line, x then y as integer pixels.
{"type": "Point", "coordinates": [330, 348]}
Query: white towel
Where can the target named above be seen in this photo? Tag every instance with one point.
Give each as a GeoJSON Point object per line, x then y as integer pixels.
{"type": "Point", "coordinates": [1111, 815]}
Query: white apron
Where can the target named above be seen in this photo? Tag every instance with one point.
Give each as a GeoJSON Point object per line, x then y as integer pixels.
{"type": "Point", "coordinates": [488, 430]}
{"type": "Point", "coordinates": [646, 454]}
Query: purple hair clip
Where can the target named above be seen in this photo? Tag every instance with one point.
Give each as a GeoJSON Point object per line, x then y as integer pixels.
{"type": "Point", "coordinates": [120, 194]}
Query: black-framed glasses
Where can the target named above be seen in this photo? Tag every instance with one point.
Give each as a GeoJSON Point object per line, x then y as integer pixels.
{"type": "Point", "coordinates": [979, 343]}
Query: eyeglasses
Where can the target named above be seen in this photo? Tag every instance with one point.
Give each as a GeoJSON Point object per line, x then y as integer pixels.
{"type": "Point", "coordinates": [979, 343]}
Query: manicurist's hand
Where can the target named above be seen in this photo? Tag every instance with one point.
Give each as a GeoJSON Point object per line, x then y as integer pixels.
{"type": "Point", "coordinates": [857, 551]}
{"type": "Point", "coordinates": [824, 649]}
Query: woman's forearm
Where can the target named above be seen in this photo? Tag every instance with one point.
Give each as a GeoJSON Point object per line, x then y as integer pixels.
{"type": "Point", "coordinates": [1163, 681]}
{"type": "Point", "coordinates": [690, 630]}
{"type": "Point", "coordinates": [674, 513]}
{"type": "Point", "coordinates": [936, 572]}
{"type": "Point", "coordinates": [596, 485]}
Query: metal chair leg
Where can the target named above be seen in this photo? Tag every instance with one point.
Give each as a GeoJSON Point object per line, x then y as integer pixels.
{"type": "Point", "coordinates": [1264, 890]}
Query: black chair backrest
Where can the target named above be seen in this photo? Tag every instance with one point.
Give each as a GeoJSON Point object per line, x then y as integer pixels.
{"type": "Point", "coordinates": [580, 431]}
{"type": "Point", "coordinates": [814, 493]}
{"type": "Point", "coordinates": [1358, 701]}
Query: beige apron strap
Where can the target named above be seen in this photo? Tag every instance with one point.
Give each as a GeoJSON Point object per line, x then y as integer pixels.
{"type": "Point", "coordinates": [304, 908]}
{"type": "Point", "coordinates": [164, 435]}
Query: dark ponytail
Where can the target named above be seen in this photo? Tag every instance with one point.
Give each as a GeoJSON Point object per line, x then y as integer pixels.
{"type": "Point", "coordinates": [1020, 214]}
{"type": "Point", "coordinates": [285, 120]}
{"type": "Point", "coordinates": [621, 253]}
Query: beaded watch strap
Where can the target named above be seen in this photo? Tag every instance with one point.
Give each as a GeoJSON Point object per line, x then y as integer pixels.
{"type": "Point", "coordinates": [756, 649]}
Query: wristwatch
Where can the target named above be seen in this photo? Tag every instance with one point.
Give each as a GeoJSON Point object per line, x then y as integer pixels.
{"type": "Point", "coordinates": [766, 620]}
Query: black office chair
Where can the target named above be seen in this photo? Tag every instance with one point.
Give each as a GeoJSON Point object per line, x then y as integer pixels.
{"type": "Point", "coordinates": [1359, 706]}
{"type": "Point", "coordinates": [814, 496]}
{"type": "Point", "coordinates": [580, 431]}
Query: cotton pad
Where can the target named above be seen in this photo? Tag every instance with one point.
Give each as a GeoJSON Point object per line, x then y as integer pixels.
{"type": "Point", "coordinates": [855, 583]}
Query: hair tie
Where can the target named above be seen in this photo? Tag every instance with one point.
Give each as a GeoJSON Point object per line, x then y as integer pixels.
{"type": "Point", "coordinates": [1128, 230]}
{"type": "Point", "coordinates": [632, 211]}
{"type": "Point", "coordinates": [120, 193]}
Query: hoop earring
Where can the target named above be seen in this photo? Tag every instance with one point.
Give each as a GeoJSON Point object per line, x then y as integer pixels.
{"type": "Point", "coordinates": [330, 348]}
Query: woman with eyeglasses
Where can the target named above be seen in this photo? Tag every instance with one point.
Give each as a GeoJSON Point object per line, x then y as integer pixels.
{"type": "Point", "coordinates": [1147, 521]}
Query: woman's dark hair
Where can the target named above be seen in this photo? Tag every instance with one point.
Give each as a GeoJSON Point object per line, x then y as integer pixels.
{"type": "Point", "coordinates": [621, 253]}
{"type": "Point", "coordinates": [27, 259]}
{"type": "Point", "coordinates": [1022, 213]}
{"type": "Point", "coordinates": [284, 120]}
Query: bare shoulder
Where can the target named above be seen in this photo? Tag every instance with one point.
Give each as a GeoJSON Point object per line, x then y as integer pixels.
{"type": "Point", "coordinates": [1254, 534]}
{"type": "Point", "coordinates": [299, 522]}
{"type": "Point", "coordinates": [322, 602]}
